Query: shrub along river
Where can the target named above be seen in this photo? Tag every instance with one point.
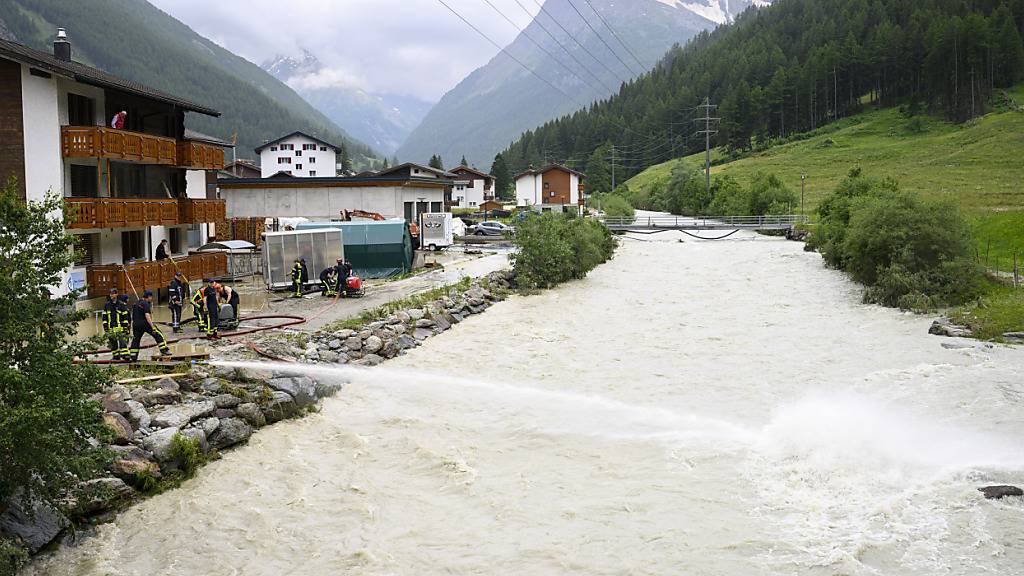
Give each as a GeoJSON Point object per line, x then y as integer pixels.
{"type": "Point", "coordinates": [690, 408]}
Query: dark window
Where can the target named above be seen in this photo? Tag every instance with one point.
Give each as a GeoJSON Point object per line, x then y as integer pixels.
{"type": "Point", "coordinates": [312, 160]}
{"type": "Point", "coordinates": [435, 206]}
{"type": "Point", "coordinates": [284, 160]}
{"type": "Point", "coordinates": [298, 166]}
{"type": "Point", "coordinates": [309, 146]}
{"type": "Point", "coordinates": [81, 110]}
{"type": "Point", "coordinates": [177, 240]}
{"type": "Point", "coordinates": [312, 172]}
{"type": "Point", "coordinates": [87, 249]}
{"type": "Point", "coordinates": [133, 246]}
{"type": "Point", "coordinates": [323, 148]}
{"type": "Point", "coordinates": [408, 211]}
{"type": "Point", "coordinates": [298, 152]}
{"type": "Point", "coordinates": [83, 181]}
{"type": "Point", "coordinates": [273, 148]}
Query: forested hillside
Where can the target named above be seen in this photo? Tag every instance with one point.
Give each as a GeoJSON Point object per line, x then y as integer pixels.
{"type": "Point", "coordinates": [792, 67]}
{"type": "Point", "coordinates": [135, 40]}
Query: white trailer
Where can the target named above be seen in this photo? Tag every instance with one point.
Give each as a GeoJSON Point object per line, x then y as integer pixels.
{"type": "Point", "coordinates": [437, 231]}
{"type": "Point", "coordinates": [321, 247]}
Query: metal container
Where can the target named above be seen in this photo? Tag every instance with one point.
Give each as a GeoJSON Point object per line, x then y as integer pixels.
{"type": "Point", "coordinates": [320, 247]}
{"type": "Point", "coordinates": [436, 230]}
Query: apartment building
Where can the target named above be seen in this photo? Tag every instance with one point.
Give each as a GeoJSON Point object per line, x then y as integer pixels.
{"type": "Point", "coordinates": [298, 154]}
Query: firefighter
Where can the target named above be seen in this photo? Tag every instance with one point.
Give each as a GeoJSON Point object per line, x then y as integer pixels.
{"type": "Point", "coordinates": [327, 281]}
{"type": "Point", "coordinates": [177, 291]}
{"type": "Point", "coordinates": [199, 307]}
{"type": "Point", "coordinates": [344, 271]}
{"type": "Point", "coordinates": [299, 276]}
{"type": "Point", "coordinates": [124, 321]}
{"type": "Point", "coordinates": [210, 294]}
{"type": "Point", "coordinates": [110, 326]}
{"type": "Point", "coordinates": [142, 323]}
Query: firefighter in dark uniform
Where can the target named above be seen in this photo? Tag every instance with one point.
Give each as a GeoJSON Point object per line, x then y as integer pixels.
{"type": "Point", "coordinates": [199, 307]}
{"type": "Point", "coordinates": [299, 276]}
{"type": "Point", "coordinates": [124, 321]}
{"type": "Point", "coordinates": [344, 270]}
{"type": "Point", "coordinates": [327, 281]}
{"type": "Point", "coordinates": [177, 291]}
{"type": "Point", "coordinates": [142, 323]}
{"type": "Point", "coordinates": [111, 327]}
{"type": "Point", "coordinates": [210, 294]}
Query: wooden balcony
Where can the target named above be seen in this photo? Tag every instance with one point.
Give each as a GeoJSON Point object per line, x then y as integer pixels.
{"type": "Point", "coordinates": [87, 213]}
{"type": "Point", "coordinates": [199, 156]}
{"type": "Point", "coordinates": [199, 211]}
{"type": "Point", "coordinates": [141, 276]}
{"type": "Point", "coordinates": [114, 144]}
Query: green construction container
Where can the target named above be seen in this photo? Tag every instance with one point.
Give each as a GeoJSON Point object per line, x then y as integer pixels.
{"type": "Point", "coordinates": [376, 249]}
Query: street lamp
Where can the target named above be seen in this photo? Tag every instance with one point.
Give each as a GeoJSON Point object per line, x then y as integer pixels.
{"type": "Point", "coordinates": [803, 180]}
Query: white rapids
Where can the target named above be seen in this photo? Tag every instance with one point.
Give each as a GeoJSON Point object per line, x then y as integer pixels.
{"type": "Point", "coordinates": [712, 408]}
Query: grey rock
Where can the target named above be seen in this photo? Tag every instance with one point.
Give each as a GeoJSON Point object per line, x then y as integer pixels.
{"type": "Point", "coordinates": [476, 309]}
{"type": "Point", "coordinates": [223, 413]}
{"type": "Point", "coordinates": [392, 320]}
{"type": "Point", "coordinates": [280, 406]}
{"type": "Point", "coordinates": [399, 329]}
{"type": "Point", "coordinates": [115, 401]}
{"type": "Point", "coordinates": [252, 414]}
{"type": "Point", "coordinates": [364, 334]}
{"type": "Point", "coordinates": [456, 318]}
{"type": "Point", "coordinates": [159, 443]}
{"type": "Point", "coordinates": [403, 316]}
{"type": "Point", "coordinates": [137, 414]}
{"type": "Point", "coordinates": [36, 524]}
{"type": "Point", "coordinates": [325, 389]}
{"type": "Point", "coordinates": [230, 432]}
{"type": "Point", "coordinates": [226, 401]}
{"type": "Point", "coordinates": [209, 425]}
{"type": "Point", "coordinates": [390, 349]}
{"type": "Point", "coordinates": [415, 313]}
{"type": "Point", "coordinates": [345, 333]}
{"type": "Point", "coordinates": [370, 360]}
{"type": "Point", "coordinates": [301, 388]}
{"type": "Point", "coordinates": [422, 333]}
{"type": "Point", "coordinates": [181, 414]}
{"type": "Point", "coordinates": [197, 434]}
{"type": "Point", "coordinates": [999, 492]}
{"type": "Point", "coordinates": [442, 322]}
{"type": "Point", "coordinates": [211, 385]}
{"type": "Point", "coordinates": [945, 327]}
{"type": "Point", "coordinates": [404, 342]}
{"type": "Point", "coordinates": [372, 344]}
{"type": "Point", "coordinates": [131, 460]}
{"type": "Point", "coordinates": [354, 343]}
{"type": "Point", "coordinates": [168, 383]}
{"type": "Point", "coordinates": [156, 397]}
{"type": "Point", "coordinates": [99, 494]}
{"type": "Point", "coordinates": [334, 344]}
{"type": "Point", "coordinates": [120, 426]}
{"type": "Point", "coordinates": [424, 323]}
{"type": "Point", "coordinates": [329, 356]}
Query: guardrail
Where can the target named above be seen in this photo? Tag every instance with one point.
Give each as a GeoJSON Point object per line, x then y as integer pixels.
{"type": "Point", "coordinates": [771, 222]}
{"type": "Point", "coordinates": [136, 212]}
{"type": "Point", "coordinates": [151, 275]}
{"type": "Point", "coordinates": [129, 146]}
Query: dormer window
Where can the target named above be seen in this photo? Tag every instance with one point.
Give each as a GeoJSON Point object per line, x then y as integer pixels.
{"type": "Point", "coordinates": [273, 148]}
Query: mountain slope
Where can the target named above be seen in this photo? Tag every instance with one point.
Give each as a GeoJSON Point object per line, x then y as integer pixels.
{"type": "Point", "coordinates": [498, 101]}
{"type": "Point", "coordinates": [381, 120]}
{"type": "Point", "coordinates": [133, 39]}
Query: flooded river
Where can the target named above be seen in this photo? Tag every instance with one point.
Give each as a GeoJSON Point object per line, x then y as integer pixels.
{"type": "Point", "coordinates": [705, 408]}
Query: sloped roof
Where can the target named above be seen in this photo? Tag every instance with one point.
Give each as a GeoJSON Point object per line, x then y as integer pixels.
{"type": "Point", "coordinates": [93, 76]}
{"type": "Point", "coordinates": [200, 137]}
{"type": "Point", "coordinates": [532, 171]}
{"type": "Point", "coordinates": [436, 171]}
{"type": "Point", "coordinates": [460, 169]}
{"type": "Point", "coordinates": [296, 133]}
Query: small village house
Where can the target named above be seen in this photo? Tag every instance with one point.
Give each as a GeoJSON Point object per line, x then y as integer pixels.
{"type": "Point", "coordinates": [298, 154]}
{"type": "Point", "coordinates": [129, 187]}
{"type": "Point", "coordinates": [553, 188]}
{"type": "Point", "coordinates": [471, 188]}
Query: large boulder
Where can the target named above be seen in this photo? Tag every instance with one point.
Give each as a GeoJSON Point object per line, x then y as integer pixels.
{"type": "Point", "coordinates": [370, 360]}
{"type": "Point", "coordinates": [138, 415]}
{"type": "Point", "coordinates": [115, 400]}
{"type": "Point", "coordinates": [198, 435]}
{"type": "Point", "coordinates": [280, 406]}
{"type": "Point", "coordinates": [130, 461]}
{"type": "Point", "coordinates": [300, 388]}
{"type": "Point", "coordinates": [354, 343]}
{"type": "Point", "coordinates": [405, 342]}
{"type": "Point", "coordinates": [230, 432]}
{"type": "Point", "coordinates": [415, 313]}
{"type": "Point", "coordinates": [422, 333]}
{"type": "Point", "coordinates": [156, 396]}
{"type": "Point", "coordinates": [251, 413]}
{"type": "Point", "coordinates": [373, 344]}
{"type": "Point", "coordinates": [180, 414]}
{"type": "Point", "coordinates": [159, 443]}
{"type": "Point", "coordinates": [100, 494]}
{"type": "Point", "coordinates": [226, 401]}
{"type": "Point", "coordinates": [36, 524]}
{"type": "Point", "coordinates": [334, 344]}
{"type": "Point", "coordinates": [999, 492]}
{"type": "Point", "coordinates": [945, 327]}
{"type": "Point", "coordinates": [120, 426]}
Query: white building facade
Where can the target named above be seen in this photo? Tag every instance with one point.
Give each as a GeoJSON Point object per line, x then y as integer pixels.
{"type": "Point", "coordinates": [298, 154]}
{"type": "Point", "coordinates": [471, 188]}
{"type": "Point", "coordinates": [128, 188]}
{"type": "Point", "coordinates": [555, 187]}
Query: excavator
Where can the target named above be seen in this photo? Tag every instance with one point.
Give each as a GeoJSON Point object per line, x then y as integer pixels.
{"type": "Point", "coordinates": [348, 215]}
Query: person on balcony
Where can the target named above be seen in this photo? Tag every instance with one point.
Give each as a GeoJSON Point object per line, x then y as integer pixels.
{"type": "Point", "coordinates": [161, 250]}
{"type": "Point", "coordinates": [142, 323]}
{"type": "Point", "coordinates": [177, 290]}
{"type": "Point", "coordinates": [119, 119]}
{"type": "Point", "coordinates": [199, 307]}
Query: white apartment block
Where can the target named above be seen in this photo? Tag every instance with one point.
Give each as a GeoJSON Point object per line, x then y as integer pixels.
{"type": "Point", "coordinates": [298, 154]}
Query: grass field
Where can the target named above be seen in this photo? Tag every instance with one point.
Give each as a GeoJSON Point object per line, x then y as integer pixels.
{"type": "Point", "coordinates": [979, 165]}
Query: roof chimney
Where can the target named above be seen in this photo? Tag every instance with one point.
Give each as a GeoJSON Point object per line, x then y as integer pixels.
{"type": "Point", "coordinates": [61, 46]}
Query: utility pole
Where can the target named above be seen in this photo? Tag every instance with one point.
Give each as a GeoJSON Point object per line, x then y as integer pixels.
{"type": "Point", "coordinates": [707, 132]}
{"type": "Point", "coordinates": [613, 166]}
{"type": "Point", "coordinates": [803, 180]}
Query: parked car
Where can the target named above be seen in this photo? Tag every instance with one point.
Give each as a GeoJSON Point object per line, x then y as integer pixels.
{"type": "Point", "coordinates": [490, 229]}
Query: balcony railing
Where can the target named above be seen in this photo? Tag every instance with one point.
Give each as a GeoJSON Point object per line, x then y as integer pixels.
{"type": "Point", "coordinates": [138, 212]}
{"type": "Point", "coordinates": [140, 276]}
{"type": "Point", "coordinates": [114, 144]}
{"type": "Point", "coordinates": [128, 146]}
{"type": "Point", "coordinates": [200, 156]}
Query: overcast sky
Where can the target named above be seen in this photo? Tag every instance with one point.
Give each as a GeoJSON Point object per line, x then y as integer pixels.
{"type": "Point", "coordinates": [409, 47]}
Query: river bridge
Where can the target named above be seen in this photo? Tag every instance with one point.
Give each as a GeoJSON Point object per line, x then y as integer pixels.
{"type": "Point", "coordinates": [651, 224]}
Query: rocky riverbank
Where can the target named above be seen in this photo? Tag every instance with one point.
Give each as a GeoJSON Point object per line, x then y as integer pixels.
{"type": "Point", "coordinates": [162, 429]}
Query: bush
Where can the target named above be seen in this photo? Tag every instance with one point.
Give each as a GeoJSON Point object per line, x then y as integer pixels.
{"type": "Point", "coordinates": [911, 254]}
{"type": "Point", "coordinates": [554, 248]}
{"type": "Point", "coordinates": [47, 423]}
{"type": "Point", "coordinates": [187, 453]}
{"type": "Point", "coordinates": [616, 206]}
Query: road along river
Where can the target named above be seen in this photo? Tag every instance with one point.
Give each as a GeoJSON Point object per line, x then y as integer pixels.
{"type": "Point", "coordinates": [712, 408]}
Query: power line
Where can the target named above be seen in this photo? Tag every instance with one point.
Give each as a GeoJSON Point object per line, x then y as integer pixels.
{"type": "Point", "coordinates": [601, 38]}
{"type": "Point", "coordinates": [707, 132]}
{"type": "Point", "coordinates": [506, 52]}
{"type": "Point", "coordinates": [578, 43]}
{"type": "Point", "coordinates": [540, 23]}
{"type": "Point", "coordinates": [538, 45]}
{"type": "Point", "coordinates": [612, 30]}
